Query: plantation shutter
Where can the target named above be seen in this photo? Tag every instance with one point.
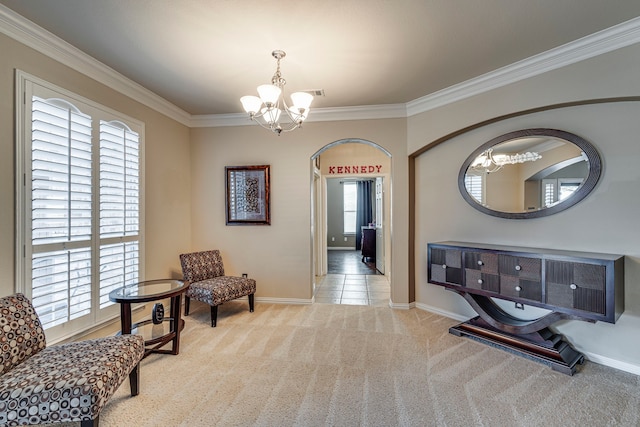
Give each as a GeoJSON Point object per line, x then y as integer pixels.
{"type": "Point", "coordinates": [79, 203]}
{"type": "Point", "coordinates": [60, 211]}
{"type": "Point", "coordinates": [474, 184]}
{"type": "Point", "coordinates": [119, 207]}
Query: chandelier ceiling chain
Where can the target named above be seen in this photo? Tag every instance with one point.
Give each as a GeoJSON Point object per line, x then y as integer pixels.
{"type": "Point", "coordinates": [267, 110]}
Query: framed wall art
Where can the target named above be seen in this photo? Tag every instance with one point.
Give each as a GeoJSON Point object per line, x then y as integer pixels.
{"type": "Point", "coordinates": [247, 196]}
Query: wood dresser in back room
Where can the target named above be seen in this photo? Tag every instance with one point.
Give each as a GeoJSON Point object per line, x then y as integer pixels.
{"type": "Point", "coordinates": [569, 284]}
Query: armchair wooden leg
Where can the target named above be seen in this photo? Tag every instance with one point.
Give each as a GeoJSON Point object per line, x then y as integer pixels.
{"type": "Point", "coordinates": [251, 302]}
{"type": "Point", "coordinates": [186, 305]}
{"type": "Point", "coordinates": [214, 315]}
{"type": "Point", "coordinates": [134, 380]}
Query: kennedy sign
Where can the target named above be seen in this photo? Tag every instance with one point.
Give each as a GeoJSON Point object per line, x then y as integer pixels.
{"type": "Point", "coordinates": [357, 169]}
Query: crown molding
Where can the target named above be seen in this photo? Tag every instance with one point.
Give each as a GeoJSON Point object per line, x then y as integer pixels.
{"type": "Point", "coordinates": [33, 36]}
{"type": "Point", "coordinates": [608, 40]}
{"type": "Point", "coordinates": [365, 112]}
{"type": "Point", "coordinates": [41, 40]}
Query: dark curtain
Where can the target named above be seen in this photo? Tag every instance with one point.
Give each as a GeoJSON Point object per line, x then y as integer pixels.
{"type": "Point", "coordinates": [364, 209]}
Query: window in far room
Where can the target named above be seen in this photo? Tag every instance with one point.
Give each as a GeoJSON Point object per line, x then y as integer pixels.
{"type": "Point", "coordinates": [349, 190]}
{"type": "Point", "coordinates": [475, 186]}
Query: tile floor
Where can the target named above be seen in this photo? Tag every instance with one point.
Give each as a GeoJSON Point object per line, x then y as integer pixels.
{"type": "Point", "coordinates": [354, 289]}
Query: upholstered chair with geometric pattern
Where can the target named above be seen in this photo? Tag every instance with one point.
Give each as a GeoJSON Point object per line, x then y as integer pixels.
{"type": "Point", "coordinates": [62, 383]}
{"type": "Point", "coordinates": [204, 272]}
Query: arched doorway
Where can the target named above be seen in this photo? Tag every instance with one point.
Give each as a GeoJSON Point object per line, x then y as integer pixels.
{"type": "Point", "coordinates": [340, 164]}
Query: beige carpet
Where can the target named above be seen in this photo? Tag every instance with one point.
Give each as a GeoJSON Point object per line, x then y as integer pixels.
{"type": "Point", "coordinates": [341, 365]}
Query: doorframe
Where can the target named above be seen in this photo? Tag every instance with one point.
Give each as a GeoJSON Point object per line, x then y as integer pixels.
{"type": "Point", "coordinates": [319, 215]}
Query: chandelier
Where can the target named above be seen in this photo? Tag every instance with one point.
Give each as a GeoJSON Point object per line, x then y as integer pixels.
{"type": "Point", "coordinates": [489, 162]}
{"type": "Point", "coordinates": [270, 110]}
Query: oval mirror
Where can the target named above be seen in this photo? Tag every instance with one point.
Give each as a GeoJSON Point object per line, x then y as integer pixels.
{"type": "Point", "coordinates": [529, 173]}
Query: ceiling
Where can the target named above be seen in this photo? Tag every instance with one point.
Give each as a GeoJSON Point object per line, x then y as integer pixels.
{"type": "Point", "coordinates": [203, 55]}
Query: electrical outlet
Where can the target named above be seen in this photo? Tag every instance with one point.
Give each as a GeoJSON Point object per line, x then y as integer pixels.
{"type": "Point", "coordinates": [333, 239]}
{"type": "Point", "coordinates": [345, 239]}
{"type": "Point", "coordinates": [245, 275]}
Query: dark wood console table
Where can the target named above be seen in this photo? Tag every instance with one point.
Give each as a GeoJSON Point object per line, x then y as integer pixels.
{"type": "Point", "coordinates": [368, 243]}
{"type": "Point", "coordinates": [572, 285]}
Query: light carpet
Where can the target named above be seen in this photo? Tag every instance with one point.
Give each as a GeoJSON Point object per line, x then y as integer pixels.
{"type": "Point", "coordinates": [342, 365]}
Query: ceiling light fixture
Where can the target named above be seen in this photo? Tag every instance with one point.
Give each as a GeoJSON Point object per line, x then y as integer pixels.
{"type": "Point", "coordinates": [267, 110]}
{"type": "Point", "coordinates": [489, 162]}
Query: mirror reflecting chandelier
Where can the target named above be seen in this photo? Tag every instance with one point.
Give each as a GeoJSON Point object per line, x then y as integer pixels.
{"type": "Point", "coordinates": [270, 110]}
{"type": "Point", "coordinates": [489, 162]}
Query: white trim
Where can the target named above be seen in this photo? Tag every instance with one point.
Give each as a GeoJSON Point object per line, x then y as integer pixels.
{"type": "Point", "coordinates": [402, 306]}
{"type": "Point", "coordinates": [612, 363]}
{"type": "Point", "coordinates": [293, 301]}
{"type": "Point", "coordinates": [340, 248]}
{"type": "Point", "coordinates": [436, 310]}
{"type": "Point", "coordinates": [592, 357]}
{"type": "Point", "coordinates": [608, 40]}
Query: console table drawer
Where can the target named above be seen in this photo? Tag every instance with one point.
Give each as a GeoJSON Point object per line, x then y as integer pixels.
{"type": "Point", "coordinates": [523, 267]}
{"type": "Point", "coordinates": [576, 285]}
{"type": "Point", "coordinates": [486, 262]}
{"type": "Point", "coordinates": [515, 287]}
{"type": "Point", "coordinates": [475, 279]}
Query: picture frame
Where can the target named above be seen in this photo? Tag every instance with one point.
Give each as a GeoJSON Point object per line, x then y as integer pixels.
{"type": "Point", "coordinates": [247, 198]}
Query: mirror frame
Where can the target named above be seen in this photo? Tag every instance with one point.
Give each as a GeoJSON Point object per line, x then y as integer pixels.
{"type": "Point", "coordinates": [595, 169]}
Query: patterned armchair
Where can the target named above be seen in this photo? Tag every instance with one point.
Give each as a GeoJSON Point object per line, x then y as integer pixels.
{"type": "Point", "coordinates": [61, 383]}
{"type": "Point", "coordinates": [204, 272]}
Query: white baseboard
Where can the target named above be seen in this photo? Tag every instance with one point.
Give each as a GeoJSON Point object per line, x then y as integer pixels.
{"type": "Point", "coordinates": [294, 301]}
{"type": "Point", "coordinates": [340, 248]}
{"type": "Point", "coordinates": [449, 314]}
{"type": "Point", "coordinates": [612, 363]}
{"type": "Point", "coordinates": [402, 306]}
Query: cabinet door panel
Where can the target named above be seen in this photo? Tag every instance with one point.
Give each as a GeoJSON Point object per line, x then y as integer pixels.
{"type": "Point", "coordinates": [446, 266]}
{"type": "Point", "coordinates": [576, 285]}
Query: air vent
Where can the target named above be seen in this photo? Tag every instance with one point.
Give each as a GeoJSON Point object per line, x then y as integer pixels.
{"type": "Point", "coordinates": [314, 92]}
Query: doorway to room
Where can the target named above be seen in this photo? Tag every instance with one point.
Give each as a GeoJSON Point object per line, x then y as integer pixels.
{"type": "Point", "coordinates": [351, 233]}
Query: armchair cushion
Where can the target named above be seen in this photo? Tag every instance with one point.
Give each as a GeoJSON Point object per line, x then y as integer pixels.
{"type": "Point", "coordinates": [221, 289]}
{"type": "Point", "coordinates": [21, 334]}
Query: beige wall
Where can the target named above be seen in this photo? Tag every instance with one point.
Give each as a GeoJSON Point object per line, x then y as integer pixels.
{"type": "Point", "coordinates": [185, 186]}
{"type": "Point", "coordinates": [167, 197]}
{"type": "Point", "coordinates": [279, 256]}
{"type": "Point", "coordinates": [606, 221]}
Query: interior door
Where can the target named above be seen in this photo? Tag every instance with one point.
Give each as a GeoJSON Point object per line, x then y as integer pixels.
{"type": "Point", "coordinates": [379, 225]}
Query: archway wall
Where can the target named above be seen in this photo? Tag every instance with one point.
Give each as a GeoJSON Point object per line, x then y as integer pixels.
{"type": "Point", "coordinates": [606, 221]}
{"type": "Point", "coordinates": [279, 256]}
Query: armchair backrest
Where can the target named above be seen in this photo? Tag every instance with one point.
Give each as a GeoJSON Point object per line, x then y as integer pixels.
{"type": "Point", "coordinates": [21, 333]}
{"type": "Point", "coordinates": [197, 266]}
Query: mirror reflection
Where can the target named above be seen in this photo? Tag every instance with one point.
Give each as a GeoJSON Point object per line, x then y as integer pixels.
{"type": "Point", "coordinates": [529, 171]}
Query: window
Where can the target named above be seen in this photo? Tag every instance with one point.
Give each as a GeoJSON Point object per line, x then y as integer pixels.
{"type": "Point", "coordinates": [79, 230]}
{"type": "Point", "coordinates": [557, 189]}
{"type": "Point", "coordinates": [349, 197]}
